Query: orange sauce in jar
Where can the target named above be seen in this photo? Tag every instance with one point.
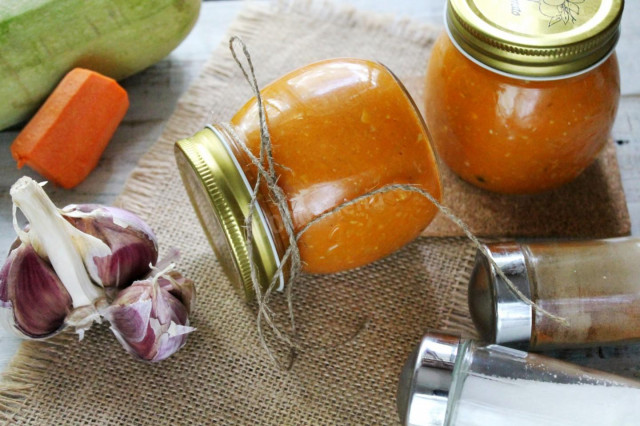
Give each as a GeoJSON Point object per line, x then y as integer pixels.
{"type": "Point", "coordinates": [512, 135]}
{"type": "Point", "coordinates": [339, 129]}
{"type": "Point", "coordinates": [522, 99]}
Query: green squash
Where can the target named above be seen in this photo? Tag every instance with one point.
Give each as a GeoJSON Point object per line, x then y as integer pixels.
{"type": "Point", "coordinates": [41, 40]}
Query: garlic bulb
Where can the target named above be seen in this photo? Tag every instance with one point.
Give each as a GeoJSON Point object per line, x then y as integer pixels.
{"type": "Point", "coordinates": [56, 241]}
{"type": "Point", "coordinates": [58, 271]}
{"type": "Point", "coordinates": [132, 243]}
{"type": "Point", "coordinates": [151, 318]}
{"type": "Point", "coordinates": [33, 300]}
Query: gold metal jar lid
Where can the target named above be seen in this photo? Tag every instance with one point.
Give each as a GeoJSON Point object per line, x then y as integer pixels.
{"type": "Point", "coordinates": [220, 193]}
{"type": "Point", "coordinates": [535, 39]}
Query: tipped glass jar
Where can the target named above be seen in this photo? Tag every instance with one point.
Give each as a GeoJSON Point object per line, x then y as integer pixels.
{"type": "Point", "coordinates": [450, 381]}
{"type": "Point", "coordinates": [339, 129]}
{"type": "Point", "coordinates": [522, 98]}
{"type": "Point", "coordinates": [593, 285]}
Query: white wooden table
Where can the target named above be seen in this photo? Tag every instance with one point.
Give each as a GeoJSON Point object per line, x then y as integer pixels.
{"type": "Point", "coordinates": [154, 92]}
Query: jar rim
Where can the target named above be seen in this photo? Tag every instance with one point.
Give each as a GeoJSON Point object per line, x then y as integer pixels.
{"type": "Point", "coordinates": [525, 42]}
{"type": "Point", "coordinates": [220, 194]}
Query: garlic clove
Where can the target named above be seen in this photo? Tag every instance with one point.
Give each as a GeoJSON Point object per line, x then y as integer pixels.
{"type": "Point", "coordinates": [7, 320]}
{"type": "Point", "coordinates": [172, 281]}
{"type": "Point", "coordinates": [133, 245]}
{"type": "Point", "coordinates": [133, 320]}
{"type": "Point", "coordinates": [171, 341]}
{"type": "Point", "coordinates": [90, 248]}
{"type": "Point", "coordinates": [4, 275]}
{"type": "Point", "coordinates": [35, 301]}
{"type": "Point", "coordinates": [148, 320]}
{"type": "Point", "coordinates": [180, 287]}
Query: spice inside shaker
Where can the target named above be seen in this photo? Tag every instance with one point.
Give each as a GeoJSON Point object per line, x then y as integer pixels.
{"type": "Point", "coordinates": [593, 285]}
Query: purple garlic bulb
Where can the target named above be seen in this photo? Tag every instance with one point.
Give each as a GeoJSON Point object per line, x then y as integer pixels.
{"type": "Point", "coordinates": [151, 317]}
{"type": "Point", "coordinates": [33, 300]}
{"type": "Point", "coordinates": [132, 242]}
{"type": "Point", "coordinates": [47, 268]}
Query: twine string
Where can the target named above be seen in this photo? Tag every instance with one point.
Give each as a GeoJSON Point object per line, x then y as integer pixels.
{"type": "Point", "coordinates": [265, 167]}
{"type": "Point", "coordinates": [269, 175]}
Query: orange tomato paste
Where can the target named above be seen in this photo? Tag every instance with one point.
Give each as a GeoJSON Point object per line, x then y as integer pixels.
{"type": "Point", "coordinates": [516, 136]}
{"type": "Point", "coordinates": [340, 129]}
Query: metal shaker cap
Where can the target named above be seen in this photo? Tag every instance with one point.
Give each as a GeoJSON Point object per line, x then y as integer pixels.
{"type": "Point", "coordinates": [425, 381]}
{"type": "Point", "coordinates": [498, 313]}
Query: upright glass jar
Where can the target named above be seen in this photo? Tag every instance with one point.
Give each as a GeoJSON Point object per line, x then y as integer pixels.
{"type": "Point", "coordinates": [521, 95]}
{"type": "Point", "coordinates": [594, 286]}
{"type": "Point", "coordinates": [450, 381]}
{"type": "Point", "coordinates": [339, 129]}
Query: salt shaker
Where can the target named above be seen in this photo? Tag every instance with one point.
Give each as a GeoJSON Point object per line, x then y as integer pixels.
{"type": "Point", "coordinates": [593, 285]}
{"type": "Point", "coordinates": [460, 382]}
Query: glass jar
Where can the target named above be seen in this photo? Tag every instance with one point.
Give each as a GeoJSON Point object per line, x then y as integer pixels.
{"type": "Point", "coordinates": [339, 129]}
{"type": "Point", "coordinates": [593, 285]}
{"type": "Point", "coordinates": [522, 98]}
{"type": "Point", "coordinates": [459, 382]}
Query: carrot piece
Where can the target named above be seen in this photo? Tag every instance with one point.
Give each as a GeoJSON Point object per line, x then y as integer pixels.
{"type": "Point", "coordinates": [65, 139]}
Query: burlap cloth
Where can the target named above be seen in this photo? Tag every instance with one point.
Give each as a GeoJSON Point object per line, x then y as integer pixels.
{"type": "Point", "coordinates": [360, 326]}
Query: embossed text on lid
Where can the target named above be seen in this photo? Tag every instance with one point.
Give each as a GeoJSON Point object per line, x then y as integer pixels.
{"type": "Point", "coordinates": [535, 38]}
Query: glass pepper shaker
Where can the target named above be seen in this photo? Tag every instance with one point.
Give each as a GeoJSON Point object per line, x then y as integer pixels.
{"type": "Point", "coordinates": [593, 285]}
{"type": "Point", "coordinates": [460, 382]}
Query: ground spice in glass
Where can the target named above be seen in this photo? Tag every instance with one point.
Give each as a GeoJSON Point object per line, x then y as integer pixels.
{"type": "Point", "coordinates": [595, 285]}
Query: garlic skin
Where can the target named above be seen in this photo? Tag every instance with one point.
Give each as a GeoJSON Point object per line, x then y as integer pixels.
{"type": "Point", "coordinates": [172, 281]}
{"type": "Point", "coordinates": [149, 318]}
{"type": "Point", "coordinates": [179, 287]}
{"type": "Point", "coordinates": [132, 243]}
{"type": "Point", "coordinates": [33, 300]}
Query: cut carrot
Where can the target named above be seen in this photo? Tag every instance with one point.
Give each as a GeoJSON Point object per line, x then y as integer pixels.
{"type": "Point", "coordinates": [65, 139]}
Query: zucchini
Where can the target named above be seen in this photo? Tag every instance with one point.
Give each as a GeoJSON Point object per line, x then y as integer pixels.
{"type": "Point", "coordinates": [41, 40]}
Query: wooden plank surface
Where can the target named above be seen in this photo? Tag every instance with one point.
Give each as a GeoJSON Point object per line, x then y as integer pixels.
{"type": "Point", "coordinates": [155, 91]}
